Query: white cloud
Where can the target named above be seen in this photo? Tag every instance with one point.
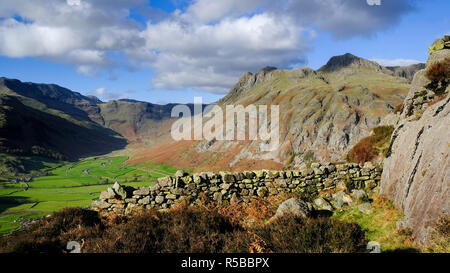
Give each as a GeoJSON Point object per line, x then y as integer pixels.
{"type": "Point", "coordinates": [205, 46]}
{"type": "Point", "coordinates": [395, 62]}
{"type": "Point", "coordinates": [78, 32]}
{"type": "Point", "coordinates": [212, 57]}
{"type": "Point", "coordinates": [206, 11]}
{"type": "Point", "coordinates": [73, 2]}
{"type": "Point", "coordinates": [106, 94]}
{"type": "Point", "coordinates": [344, 18]}
{"type": "Point", "coordinates": [87, 70]}
{"type": "Point", "coordinates": [21, 39]}
{"type": "Point", "coordinates": [100, 91]}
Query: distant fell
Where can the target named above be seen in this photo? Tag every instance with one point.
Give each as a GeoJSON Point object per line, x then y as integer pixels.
{"type": "Point", "coordinates": [348, 60]}
{"type": "Point", "coordinates": [52, 121]}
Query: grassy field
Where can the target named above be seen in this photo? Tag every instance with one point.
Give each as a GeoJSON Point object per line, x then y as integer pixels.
{"type": "Point", "coordinates": [70, 185]}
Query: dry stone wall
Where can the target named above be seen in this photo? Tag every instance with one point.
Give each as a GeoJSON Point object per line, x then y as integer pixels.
{"type": "Point", "coordinates": [226, 187]}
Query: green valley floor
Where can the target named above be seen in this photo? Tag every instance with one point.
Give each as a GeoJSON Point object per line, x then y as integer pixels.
{"type": "Point", "coordinates": [69, 184]}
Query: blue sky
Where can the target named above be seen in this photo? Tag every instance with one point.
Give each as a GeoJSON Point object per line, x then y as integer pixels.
{"type": "Point", "coordinates": [170, 51]}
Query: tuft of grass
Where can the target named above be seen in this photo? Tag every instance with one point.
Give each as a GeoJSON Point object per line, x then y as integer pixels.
{"type": "Point", "coordinates": [372, 146]}
{"type": "Point", "coordinates": [440, 238]}
{"type": "Point", "coordinates": [309, 156]}
{"type": "Point", "coordinates": [380, 225]}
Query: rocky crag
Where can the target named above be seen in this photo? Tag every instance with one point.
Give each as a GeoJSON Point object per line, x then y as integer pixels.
{"type": "Point", "coordinates": [406, 72]}
{"type": "Point", "coordinates": [416, 172]}
{"type": "Point", "coordinates": [225, 187]}
{"type": "Point", "coordinates": [323, 113]}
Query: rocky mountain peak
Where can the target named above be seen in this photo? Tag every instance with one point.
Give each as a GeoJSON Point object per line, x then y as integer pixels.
{"type": "Point", "coordinates": [348, 60]}
{"type": "Point", "coordinates": [94, 99]}
{"type": "Point", "coordinates": [267, 69]}
{"type": "Point", "coordinates": [247, 81]}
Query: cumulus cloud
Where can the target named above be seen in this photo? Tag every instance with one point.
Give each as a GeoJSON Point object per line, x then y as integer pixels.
{"type": "Point", "coordinates": [207, 11]}
{"type": "Point", "coordinates": [88, 70]}
{"type": "Point", "coordinates": [21, 39]}
{"type": "Point", "coordinates": [396, 62]}
{"type": "Point", "coordinates": [106, 94]}
{"type": "Point", "coordinates": [78, 32]}
{"type": "Point", "coordinates": [211, 57]}
{"type": "Point", "coordinates": [205, 46]}
{"type": "Point", "coordinates": [344, 18]}
{"type": "Point", "coordinates": [100, 91]}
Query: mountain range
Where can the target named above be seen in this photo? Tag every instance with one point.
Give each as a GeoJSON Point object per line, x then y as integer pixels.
{"type": "Point", "coordinates": [322, 114]}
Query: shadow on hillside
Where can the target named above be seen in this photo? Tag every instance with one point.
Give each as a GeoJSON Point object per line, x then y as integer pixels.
{"type": "Point", "coordinates": [36, 163]}
{"type": "Point", "coordinates": [35, 132]}
{"type": "Point", "coordinates": [7, 202]}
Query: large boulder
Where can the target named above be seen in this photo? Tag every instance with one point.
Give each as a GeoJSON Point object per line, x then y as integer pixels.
{"type": "Point", "coordinates": [438, 56]}
{"type": "Point", "coordinates": [421, 92]}
{"type": "Point", "coordinates": [440, 44]}
{"type": "Point", "coordinates": [294, 206]}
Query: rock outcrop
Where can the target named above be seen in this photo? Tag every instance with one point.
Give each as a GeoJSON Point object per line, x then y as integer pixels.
{"type": "Point", "coordinates": [406, 72]}
{"type": "Point", "coordinates": [421, 92]}
{"type": "Point", "coordinates": [440, 44]}
{"type": "Point", "coordinates": [416, 172]}
{"type": "Point", "coordinates": [349, 60]}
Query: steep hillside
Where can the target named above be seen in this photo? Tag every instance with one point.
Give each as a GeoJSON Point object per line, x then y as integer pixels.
{"type": "Point", "coordinates": [322, 114]}
{"type": "Point", "coordinates": [68, 124]}
{"type": "Point", "coordinates": [51, 121]}
{"type": "Point", "coordinates": [54, 99]}
{"type": "Point", "coordinates": [416, 172]}
{"type": "Point", "coordinates": [140, 122]}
